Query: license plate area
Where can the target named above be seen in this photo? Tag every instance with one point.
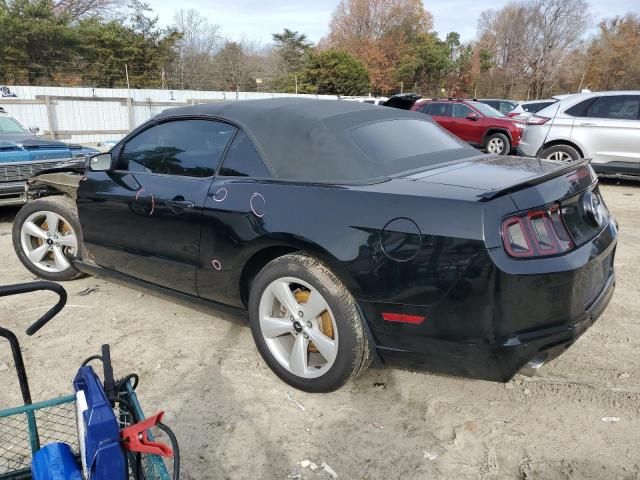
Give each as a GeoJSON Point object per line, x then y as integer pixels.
{"type": "Point", "coordinates": [596, 278]}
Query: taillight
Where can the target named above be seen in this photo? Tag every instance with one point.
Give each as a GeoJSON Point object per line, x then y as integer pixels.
{"type": "Point", "coordinates": [512, 114]}
{"type": "Point", "coordinates": [537, 233]}
{"type": "Point", "coordinates": [537, 120]}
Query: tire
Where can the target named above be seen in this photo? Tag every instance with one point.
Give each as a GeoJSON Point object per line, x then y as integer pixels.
{"type": "Point", "coordinates": [31, 233]}
{"type": "Point", "coordinates": [561, 153]}
{"type": "Point", "coordinates": [498, 144]}
{"type": "Point", "coordinates": [308, 282]}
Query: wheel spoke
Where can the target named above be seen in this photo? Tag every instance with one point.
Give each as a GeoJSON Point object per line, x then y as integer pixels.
{"type": "Point", "coordinates": [38, 254]}
{"type": "Point", "coordinates": [34, 230]}
{"type": "Point", "coordinates": [274, 327]}
{"type": "Point", "coordinates": [314, 306]}
{"type": "Point", "coordinates": [285, 296]}
{"type": "Point", "coordinates": [298, 358]}
{"type": "Point", "coordinates": [52, 223]}
{"type": "Point", "coordinates": [60, 260]}
{"type": "Point", "coordinates": [68, 240]}
{"type": "Point", "coordinates": [325, 345]}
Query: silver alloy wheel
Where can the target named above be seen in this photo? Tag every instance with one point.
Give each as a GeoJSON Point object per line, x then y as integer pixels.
{"type": "Point", "coordinates": [560, 156]}
{"type": "Point", "coordinates": [48, 240]}
{"type": "Point", "coordinates": [495, 145]}
{"type": "Point", "coordinates": [294, 330]}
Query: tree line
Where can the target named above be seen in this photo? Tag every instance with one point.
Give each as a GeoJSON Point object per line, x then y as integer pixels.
{"type": "Point", "coordinates": [525, 50]}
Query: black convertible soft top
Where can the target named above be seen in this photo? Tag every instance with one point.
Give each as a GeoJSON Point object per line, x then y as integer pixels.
{"type": "Point", "coordinates": [323, 140]}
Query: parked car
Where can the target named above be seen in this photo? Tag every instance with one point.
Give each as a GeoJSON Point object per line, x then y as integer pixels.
{"type": "Point", "coordinates": [402, 101]}
{"type": "Point", "coordinates": [23, 154]}
{"type": "Point", "coordinates": [331, 226]}
{"type": "Point", "coordinates": [525, 109]}
{"type": "Point", "coordinates": [503, 106]}
{"type": "Point", "coordinates": [474, 122]}
{"type": "Point", "coordinates": [363, 99]}
{"type": "Point", "coordinates": [602, 126]}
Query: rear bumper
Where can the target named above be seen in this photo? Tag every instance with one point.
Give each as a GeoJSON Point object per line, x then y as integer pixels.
{"type": "Point", "coordinates": [500, 362]}
{"type": "Point", "coordinates": [12, 193]}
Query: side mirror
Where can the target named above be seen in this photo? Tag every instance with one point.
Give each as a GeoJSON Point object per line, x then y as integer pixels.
{"type": "Point", "coordinates": [473, 116]}
{"type": "Point", "coordinates": [35, 130]}
{"type": "Point", "coordinates": [101, 163]}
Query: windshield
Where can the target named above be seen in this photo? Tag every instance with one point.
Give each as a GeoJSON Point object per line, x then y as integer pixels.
{"type": "Point", "coordinates": [9, 125]}
{"type": "Point", "coordinates": [486, 110]}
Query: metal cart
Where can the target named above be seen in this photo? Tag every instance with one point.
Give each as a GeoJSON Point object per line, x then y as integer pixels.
{"type": "Point", "coordinates": [25, 429]}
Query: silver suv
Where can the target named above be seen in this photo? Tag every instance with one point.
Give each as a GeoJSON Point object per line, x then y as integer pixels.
{"type": "Point", "coordinates": [603, 126]}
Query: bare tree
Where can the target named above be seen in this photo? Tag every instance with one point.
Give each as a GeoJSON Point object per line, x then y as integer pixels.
{"type": "Point", "coordinates": [76, 9]}
{"type": "Point", "coordinates": [530, 42]}
{"type": "Point", "coordinates": [200, 42]}
{"type": "Point", "coordinates": [238, 65]}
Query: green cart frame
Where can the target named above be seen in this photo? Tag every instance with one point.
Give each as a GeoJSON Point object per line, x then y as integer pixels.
{"type": "Point", "coordinates": [24, 429]}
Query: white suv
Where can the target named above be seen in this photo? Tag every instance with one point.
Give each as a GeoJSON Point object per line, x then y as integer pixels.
{"type": "Point", "coordinates": [603, 126]}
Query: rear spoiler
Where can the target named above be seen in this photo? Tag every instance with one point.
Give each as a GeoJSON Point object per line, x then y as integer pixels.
{"type": "Point", "coordinates": [500, 191]}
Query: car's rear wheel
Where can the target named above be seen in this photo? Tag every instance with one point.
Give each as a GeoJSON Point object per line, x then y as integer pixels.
{"type": "Point", "coordinates": [306, 324]}
{"type": "Point", "coordinates": [498, 144]}
{"type": "Point", "coordinates": [47, 237]}
{"type": "Point", "coordinates": [561, 153]}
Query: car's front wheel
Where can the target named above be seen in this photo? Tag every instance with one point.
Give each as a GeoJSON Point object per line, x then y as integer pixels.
{"type": "Point", "coordinates": [46, 237]}
{"type": "Point", "coordinates": [306, 324]}
{"type": "Point", "coordinates": [498, 144]}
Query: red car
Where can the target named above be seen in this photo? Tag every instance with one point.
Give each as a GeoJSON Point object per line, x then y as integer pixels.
{"type": "Point", "coordinates": [474, 122]}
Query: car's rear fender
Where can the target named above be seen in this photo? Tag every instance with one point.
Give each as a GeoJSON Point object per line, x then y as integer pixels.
{"type": "Point", "coordinates": [262, 250]}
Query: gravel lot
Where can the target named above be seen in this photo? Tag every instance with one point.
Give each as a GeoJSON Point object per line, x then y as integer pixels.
{"type": "Point", "coordinates": [234, 418]}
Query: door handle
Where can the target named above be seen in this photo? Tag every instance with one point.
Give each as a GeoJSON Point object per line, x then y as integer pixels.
{"type": "Point", "coordinates": [180, 204]}
{"type": "Point", "coordinates": [587, 124]}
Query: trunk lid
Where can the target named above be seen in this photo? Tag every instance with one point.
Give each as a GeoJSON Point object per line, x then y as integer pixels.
{"type": "Point", "coordinates": [497, 175]}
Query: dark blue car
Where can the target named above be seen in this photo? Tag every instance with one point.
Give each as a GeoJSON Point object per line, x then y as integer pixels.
{"type": "Point", "coordinates": [23, 154]}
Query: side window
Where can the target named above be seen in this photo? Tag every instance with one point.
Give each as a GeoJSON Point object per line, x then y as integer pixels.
{"type": "Point", "coordinates": [493, 103]}
{"type": "Point", "coordinates": [580, 109]}
{"type": "Point", "coordinates": [190, 148]}
{"type": "Point", "coordinates": [243, 160]}
{"type": "Point", "coordinates": [535, 107]}
{"type": "Point", "coordinates": [441, 109]}
{"type": "Point", "coordinates": [506, 107]}
{"type": "Point", "coordinates": [426, 108]}
{"type": "Point", "coordinates": [460, 111]}
{"type": "Point", "coordinates": [622, 107]}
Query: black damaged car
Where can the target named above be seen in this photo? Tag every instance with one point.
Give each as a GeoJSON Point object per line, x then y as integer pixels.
{"type": "Point", "coordinates": [348, 232]}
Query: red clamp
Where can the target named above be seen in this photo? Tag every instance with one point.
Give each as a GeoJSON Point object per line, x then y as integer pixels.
{"type": "Point", "coordinates": [136, 439]}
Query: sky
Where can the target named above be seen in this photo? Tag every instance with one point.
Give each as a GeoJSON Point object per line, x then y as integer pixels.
{"type": "Point", "coordinates": [256, 20]}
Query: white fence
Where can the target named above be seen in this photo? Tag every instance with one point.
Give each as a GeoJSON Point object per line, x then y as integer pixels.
{"type": "Point", "coordinates": [88, 115]}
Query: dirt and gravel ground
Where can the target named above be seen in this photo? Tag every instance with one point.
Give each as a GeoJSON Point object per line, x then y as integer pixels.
{"type": "Point", "coordinates": [235, 419]}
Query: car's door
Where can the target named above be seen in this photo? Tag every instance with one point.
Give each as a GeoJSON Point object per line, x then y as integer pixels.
{"type": "Point", "coordinates": [441, 113]}
{"type": "Point", "coordinates": [609, 129]}
{"type": "Point", "coordinates": [233, 219]}
{"type": "Point", "coordinates": [144, 217]}
{"type": "Point", "coordinates": [463, 127]}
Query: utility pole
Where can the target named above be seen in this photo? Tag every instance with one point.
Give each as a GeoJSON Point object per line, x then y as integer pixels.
{"type": "Point", "coordinates": [126, 72]}
{"type": "Point", "coordinates": [401, 87]}
{"type": "Point", "coordinates": [296, 77]}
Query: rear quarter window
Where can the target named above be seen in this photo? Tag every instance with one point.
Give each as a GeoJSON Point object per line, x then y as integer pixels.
{"type": "Point", "coordinates": [243, 160]}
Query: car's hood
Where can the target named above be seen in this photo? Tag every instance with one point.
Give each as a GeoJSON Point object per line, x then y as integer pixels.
{"type": "Point", "coordinates": [30, 141]}
{"type": "Point", "coordinates": [489, 173]}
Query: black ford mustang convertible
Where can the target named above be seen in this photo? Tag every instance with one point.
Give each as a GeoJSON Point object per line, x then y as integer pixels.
{"type": "Point", "coordinates": [350, 233]}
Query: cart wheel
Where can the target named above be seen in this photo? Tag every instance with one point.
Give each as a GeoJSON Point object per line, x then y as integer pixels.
{"type": "Point", "coordinates": [47, 237]}
{"type": "Point", "coordinates": [306, 324]}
